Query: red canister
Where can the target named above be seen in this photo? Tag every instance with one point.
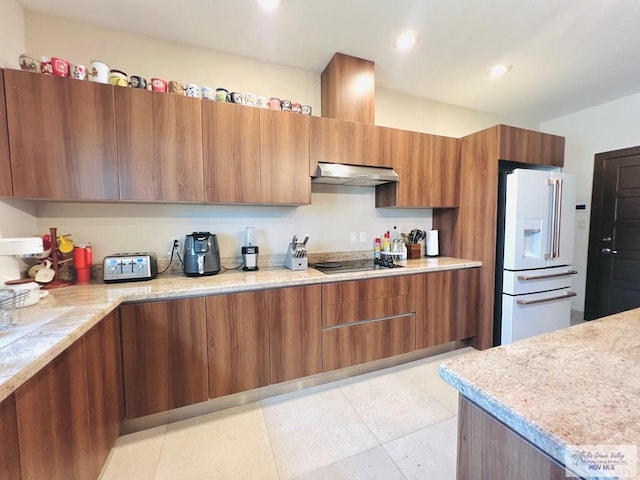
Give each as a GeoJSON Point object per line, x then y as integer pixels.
{"type": "Point", "coordinates": [82, 261]}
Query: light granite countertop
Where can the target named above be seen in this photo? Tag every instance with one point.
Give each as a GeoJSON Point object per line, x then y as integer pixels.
{"type": "Point", "coordinates": [83, 306]}
{"type": "Point", "coordinates": [575, 386]}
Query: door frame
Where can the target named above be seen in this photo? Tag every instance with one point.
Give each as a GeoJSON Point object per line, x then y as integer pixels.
{"type": "Point", "coordinates": [595, 227]}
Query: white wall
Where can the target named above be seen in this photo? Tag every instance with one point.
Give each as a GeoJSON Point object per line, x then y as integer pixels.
{"type": "Point", "coordinates": [335, 211]}
{"type": "Point", "coordinates": [606, 127]}
{"type": "Point", "coordinates": [11, 33]}
{"type": "Point", "coordinates": [17, 218]}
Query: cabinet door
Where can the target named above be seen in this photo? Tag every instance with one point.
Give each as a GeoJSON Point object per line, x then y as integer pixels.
{"type": "Point", "coordinates": [164, 352]}
{"type": "Point", "coordinates": [428, 167]}
{"type": "Point", "coordinates": [53, 420]}
{"type": "Point", "coordinates": [294, 332]}
{"type": "Point", "coordinates": [528, 146]}
{"type": "Point", "coordinates": [61, 137]}
{"type": "Point", "coordinates": [339, 141]}
{"type": "Point", "coordinates": [104, 382]}
{"type": "Point", "coordinates": [238, 342]}
{"type": "Point", "coordinates": [364, 342]}
{"type": "Point", "coordinates": [9, 453]}
{"type": "Point", "coordinates": [5, 162]}
{"type": "Point", "coordinates": [284, 158]}
{"type": "Point", "coordinates": [159, 146]}
{"type": "Point", "coordinates": [231, 153]}
{"type": "Point", "coordinates": [451, 307]}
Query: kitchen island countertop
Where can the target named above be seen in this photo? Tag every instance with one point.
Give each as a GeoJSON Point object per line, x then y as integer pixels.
{"type": "Point", "coordinates": [87, 304]}
{"type": "Point", "coordinates": [575, 386]}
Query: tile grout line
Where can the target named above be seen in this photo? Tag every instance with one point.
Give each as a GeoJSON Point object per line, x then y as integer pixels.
{"type": "Point", "coordinates": [164, 436]}
{"type": "Point", "coordinates": [422, 387]}
{"type": "Point", "coordinates": [266, 426]}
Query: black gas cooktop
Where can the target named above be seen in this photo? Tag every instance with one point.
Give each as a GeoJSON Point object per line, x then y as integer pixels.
{"type": "Point", "coordinates": [354, 265]}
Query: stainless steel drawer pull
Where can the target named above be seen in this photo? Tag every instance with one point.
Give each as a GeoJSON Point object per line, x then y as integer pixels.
{"type": "Point", "coordinates": [548, 275]}
{"type": "Point", "coordinates": [544, 300]}
{"type": "Point", "coordinates": [373, 320]}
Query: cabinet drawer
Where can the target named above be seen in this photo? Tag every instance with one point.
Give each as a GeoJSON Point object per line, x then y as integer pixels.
{"type": "Point", "coordinates": [351, 345]}
{"type": "Point", "coordinates": [359, 290]}
{"type": "Point", "coordinates": [377, 308]}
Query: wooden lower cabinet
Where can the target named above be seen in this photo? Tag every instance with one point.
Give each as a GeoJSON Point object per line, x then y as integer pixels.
{"type": "Point", "coordinates": [9, 453]}
{"type": "Point", "coordinates": [164, 352]}
{"type": "Point", "coordinates": [294, 332]}
{"type": "Point", "coordinates": [104, 386]}
{"type": "Point", "coordinates": [53, 420]}
{"type": "Point", "coordinates": [450, 306]}
{"type": "Point", "coordinates": [237, 342]}
{"type": "Point", "coordinates": [489, 449]}
{"type": "Point", "coordinates": [346, 346]}
{"type": "Point", "coordinates": [366, 320]}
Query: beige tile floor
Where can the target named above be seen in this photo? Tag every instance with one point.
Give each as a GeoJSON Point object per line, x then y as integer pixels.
{"type": "Point", "coordinates": [397, 423]}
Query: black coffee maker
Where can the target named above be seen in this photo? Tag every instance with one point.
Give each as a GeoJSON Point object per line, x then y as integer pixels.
{"type": "Point", "coordinates": [201, 254]}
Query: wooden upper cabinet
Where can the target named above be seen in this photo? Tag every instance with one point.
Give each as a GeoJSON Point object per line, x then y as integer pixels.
{"type": "Point", "coordinates": [238, 342]}
{"type": "Point", "coordinates": [428, 167]}
{"type": "Point", "coordinates": [6, 189]}
{"type": "Point", "coordinates": [284, 158]}
{"type": "Point", "coordinates": [159, 140]}
{"type": "Point", "coordinates": [528, 146]}
{"type": "Point", "coordinates": [61, 137]}
{"type": "Point", "coordinates": [339, 141]}
{"type": "Point", "coordinates": [164, 355]}
{"type": "Point", "coordinates": [231, 136]}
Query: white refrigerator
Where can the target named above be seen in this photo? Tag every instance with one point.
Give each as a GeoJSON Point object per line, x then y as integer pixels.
{"type": "Point", "coordinates": [539, 216]}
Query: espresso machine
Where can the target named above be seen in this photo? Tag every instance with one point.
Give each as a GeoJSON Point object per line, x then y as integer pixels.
{"type": "Point", "coordinates": [201, 254]}
{"type": "Point", "coordinates": [249, 251]}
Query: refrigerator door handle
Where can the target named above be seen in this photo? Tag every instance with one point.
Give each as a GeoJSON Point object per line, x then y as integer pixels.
{"type": "Point", "coordinates": [549, 275]}
{"type": "Point", "coordinates": [552, 223]}
{"type": "Point", "coordinates": [559, 216]}
{"type": "Point", "coordinates": [556, 202]}
{"type": "Point", "coordinates": [545, 300]}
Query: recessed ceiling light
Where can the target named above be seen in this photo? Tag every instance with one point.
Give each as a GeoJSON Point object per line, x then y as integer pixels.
{"type": "Point", "coordinates": [406, 40]}
{"type": "Point", "coordinates": [498, 71]}
{"type": "Point", "coordinates": [268, 5]}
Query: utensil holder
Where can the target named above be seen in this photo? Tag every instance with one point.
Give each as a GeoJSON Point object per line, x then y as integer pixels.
{"type": "Point", "coordinates": [413, 250]}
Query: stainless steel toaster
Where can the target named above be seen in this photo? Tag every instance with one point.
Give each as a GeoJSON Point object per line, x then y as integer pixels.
{"type": "Point", "coordinates": [129, 267]}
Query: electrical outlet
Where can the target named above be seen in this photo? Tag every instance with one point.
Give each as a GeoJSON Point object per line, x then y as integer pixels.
{"type": "Point", "coordinates": [354, 237]}
{"type": "Point", "coordinates": [363, 237]}
{"type": "Point", "coordinates": [175, 245]}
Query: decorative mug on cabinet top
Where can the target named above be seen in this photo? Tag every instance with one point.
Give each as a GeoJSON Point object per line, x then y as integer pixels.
{"type": "Point", "coordinates": [158, 85]}
{"type": "Point", "coordinates": [176, 87]}
{"type": "Point", "coordinates": [192, 90]}
{"type": "Point", "coordinates": [99, 72]}
{"type": "Point", "coordinates": [118, 78]}
{"type": "Point", "coordinates": [79, 72]}
{"type": "Point", "coordinates": [136, 81]}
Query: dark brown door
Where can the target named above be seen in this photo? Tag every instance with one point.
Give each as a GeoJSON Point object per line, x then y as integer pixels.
{"type": "Point", "coordinates": [613, 270]}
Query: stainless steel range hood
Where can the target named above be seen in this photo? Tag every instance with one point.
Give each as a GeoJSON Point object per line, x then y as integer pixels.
{"type": "Point", "coordinates": [353, 175]}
